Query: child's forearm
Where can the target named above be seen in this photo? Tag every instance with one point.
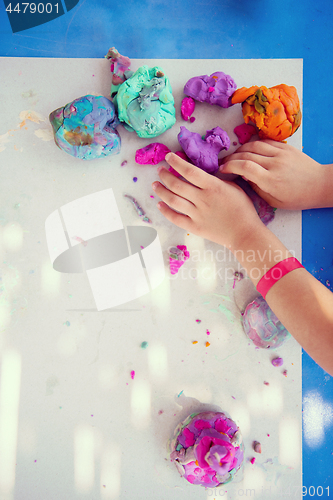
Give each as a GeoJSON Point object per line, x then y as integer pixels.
{"type": "Point", "coordinates": [302, 304]}
{"type": "Point", "coordinates": [326, 196]}
{"type": "Point", "coordinates": [221, 212]}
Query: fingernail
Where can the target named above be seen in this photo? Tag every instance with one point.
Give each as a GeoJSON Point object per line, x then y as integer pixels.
{"type": "Point", "coordinates": [154, 185]}
{"type": "Point", "coordinates": [167, 156]}
{"type": "Point", "coordinates": [160, 168]}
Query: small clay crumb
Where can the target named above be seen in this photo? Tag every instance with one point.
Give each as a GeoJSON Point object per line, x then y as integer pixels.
{"type": "Point", "coordinates": [194, 342]}
{"type": "Point", "coordinates": [198, 320]}
{"type": "Point", "coordinates": [238, 275]}
{"type": "Point", "coordinates": [160, 412]}
{"type": "Point", "coordinates": [285, 373]}
{"type": "Point", "coordinates": [123, 163]}
{"type": "Point", "coordinates": [277, 362]}
{"type": "Point", "coordinates": [257, 446]}
{"type": "Point", "coordinates": [207, 344]}
{"type": "Point", "coordinates": [266, 383]}
{"type": "Point", "coordinates": [144, 344]}
{"type": "Point", "coordinates": [252, 460]}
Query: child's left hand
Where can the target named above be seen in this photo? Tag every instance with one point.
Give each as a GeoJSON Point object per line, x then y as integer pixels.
{"type": "Point", "coordinates": [205, 205]}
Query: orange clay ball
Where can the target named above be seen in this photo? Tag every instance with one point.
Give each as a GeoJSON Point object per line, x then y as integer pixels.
{"type": "Point", "coordinates": [275, 111]}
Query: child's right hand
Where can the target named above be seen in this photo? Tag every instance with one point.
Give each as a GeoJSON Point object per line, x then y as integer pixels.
{"type": "Point", "coordinates": [282, 175]}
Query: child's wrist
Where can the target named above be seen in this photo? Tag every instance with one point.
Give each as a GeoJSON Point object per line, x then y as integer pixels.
{"type": "Point", "coordinates": [258, 250]}
{"type": "Point", "coordinates": [275, 273]}
{"type": "Point", "coordinates": [245, 235]}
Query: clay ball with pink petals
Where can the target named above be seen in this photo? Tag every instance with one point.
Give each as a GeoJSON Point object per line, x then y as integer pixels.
{"type": "Point", "coordinates": [207, 449]}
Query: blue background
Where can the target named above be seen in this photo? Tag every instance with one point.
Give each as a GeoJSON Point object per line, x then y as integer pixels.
{"type": "Point", "coordinates": [222, 29]}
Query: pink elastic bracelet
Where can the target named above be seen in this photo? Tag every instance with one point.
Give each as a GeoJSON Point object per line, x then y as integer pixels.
{"type": "Point", "coordinates": [276, 273]}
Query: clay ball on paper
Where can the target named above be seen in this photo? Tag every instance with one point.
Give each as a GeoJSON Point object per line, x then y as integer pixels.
{"type": "Point", "coordinates": [145, 103]}
{"type": "Point", "coordinates": [207, 449]}
{"type": "Point", "coordinates": [204, 152]}
{"type": "Point", "coordinates": [275, 111]}
{"type": "Point", "coordinates": [86, 128]}
{"type": "Point", "coordinates": [214, 89]}
{"type": "Point", "coordinates": [262, 326]}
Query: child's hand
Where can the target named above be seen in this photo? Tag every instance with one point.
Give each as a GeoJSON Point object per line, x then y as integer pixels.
{"type": "Point", "coordinates": [206, 206]}
{"type": "Point", "coordinates": [281, 174]}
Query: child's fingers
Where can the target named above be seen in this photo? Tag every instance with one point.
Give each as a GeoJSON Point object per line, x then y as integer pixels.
{"type": "Point", "coordinates": [173, 200]}
{"type": "Point", "coordinates": [180, 220]}
{"type": "Point", "coordinates": [251, 170]}
{"type": "Point", "coordinates": [190, 172]}
{"type": "Point", "coordinates": [275, 144]}
{"type": "Point", "coordinates": [263, 148]}
{"type": "Point", "coordinates": [178, 186]}
{"type": "Point", "coordinates": [262, 161]}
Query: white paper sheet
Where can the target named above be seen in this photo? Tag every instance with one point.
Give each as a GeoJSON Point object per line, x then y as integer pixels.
{"type": "Point", "coordinates": [86, 429]}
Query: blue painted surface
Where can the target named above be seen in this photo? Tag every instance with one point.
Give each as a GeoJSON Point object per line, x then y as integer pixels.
{"type": "Point", "coordinates": [222, 29]}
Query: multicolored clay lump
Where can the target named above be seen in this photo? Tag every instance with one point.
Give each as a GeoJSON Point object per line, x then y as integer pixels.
{"type": "Point", "coordinates": [120, 69]}
{"type": "Point", "coordinates": [207, 449]}
{"type": "Point", "coordinates": [145, 103]}
{"type": "Point", "coordinates": [262, 326]}
{"type": "Point", "coordinates": [86, 128]}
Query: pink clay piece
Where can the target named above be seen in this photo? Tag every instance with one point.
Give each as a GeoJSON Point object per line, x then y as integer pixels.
{"type": "Point", "coordinates": [152, 154]}
{"type": "Point", "coordinates": [187, 107]}
{"type": "Point", "coordinates": [244, 132]}
{"type": "Point", "coordinates": [177, 257]}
